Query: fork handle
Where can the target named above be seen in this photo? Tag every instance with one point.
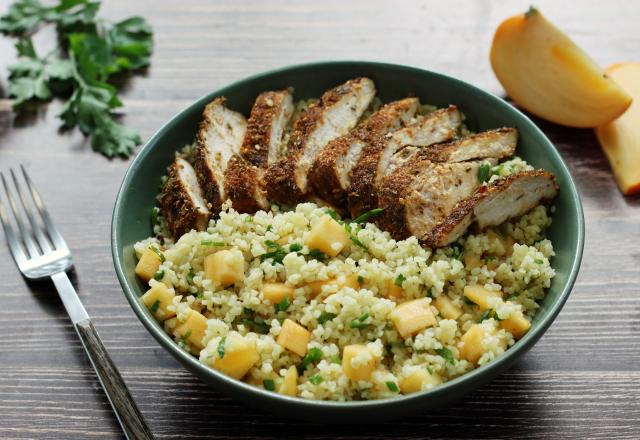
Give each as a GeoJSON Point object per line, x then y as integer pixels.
{"type": "Point", "coordinates": [127, 412]}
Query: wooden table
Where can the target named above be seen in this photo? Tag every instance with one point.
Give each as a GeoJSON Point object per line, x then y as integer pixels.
{"type": "Point", "coordinates": [582, 380]}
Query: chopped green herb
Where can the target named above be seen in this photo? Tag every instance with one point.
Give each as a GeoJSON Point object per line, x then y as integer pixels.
{"type": "Point", "coordinates": [212, 243]}
{"type": "Point", "coordinates": [248, 219]}
{"type": "Point", "coordinates": [158, 275]}
{"type": "Point", "coordinates": [316, 379]}
{"type": "Point", "coordinates": [154, 306]}
{"type": "Point", "coordinates": [359, 321]}
{"type": "Point", "coordinates": [282, 305]}
{"type": "Point", "coordinates": [357, 242]}
{"type": "Point", "coordinates": [485, 315]}
{"type": "Point", "coordinates": [190, 276]}
{"type": "Point", "coordinates": [484, 172]}
{"type": "Point", "coordinates": [429, 369]}
{"type": "Point", "coordinates": [331, 213]}
{"type": "Point", "coordinates": [458, 251]}
{"type": "Point", "coordinates": [393, 387]}
{"type": "Point", "coordinates": [326, 316]}
{"type": "Point", "coordinates": [276, 256]}
{"type": "Point", "coordinates": [200, 295]}
{"type": "Point", "coordinates": [269, 385]}
{"type": "Point", "coordinates": [399, 280]}
{"type": "Point", "coordinates": [158, 253]}
{"type": "Point", "coordinates": [256, 325]}
{"type": "Point", "coordinates": [538, 261]}
{"type": "Point", "coordinates": [272, 244]}
{"type": "Point", "coordinates": [313, 355]}
{"type": "Point", "coordinates": [446, 354]}
{"type": "Point", "coordinates": [497, 170]}
{"type": "Point", "coordinates": [317, 254]}
{"type": "Point", "coordinates": [368, 215]}
{"type": "Point", "coordinates": [360, 280]}
{"type": "Point", "coordinates": [186, 335]}
{"type": "Point", "coordinates": [295, 247]}
{"type": "Point", "coordinates": [269, 228]}
{"type": "Point", "coordinates": [429, 292]}
{"type": "Point", "coordinates": [221, 347]}
{"type": "Point", "coordinates": [336, 360]}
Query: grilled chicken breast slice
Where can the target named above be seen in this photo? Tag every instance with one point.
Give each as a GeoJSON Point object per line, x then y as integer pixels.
{"type": "Point", "coordinates": [498, 144]}
{"type": "Point", "coordinates": [418, 195]}
{"type": "Point", "coordinates": [494, 204]}
{"type": "Point", "coordinates": [181, 200]}
{"type": "Point", "coordinates": [336, 113]}
{"type": "Point", "coordinates": [329, 175]}
{"type": "Point", "coordinates": [438, 126]}
{"type": "Point", "coordinates": [220, 136]}
{"type": "Point", "coordinates": [261, 146]}
{"type": "Point", "coordinates": [268, 119]}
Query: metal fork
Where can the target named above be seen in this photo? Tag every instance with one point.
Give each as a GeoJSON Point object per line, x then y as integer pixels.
{"type": "Point", "coordinates": [40, 252]}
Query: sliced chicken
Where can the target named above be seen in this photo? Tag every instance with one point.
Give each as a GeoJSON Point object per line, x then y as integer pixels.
{"type": "Point", "coordinates": [268, 119]}
{"type": "Point", "coordinates": [261, 146]}
{"type": "Point", "coordinates": [181, 200]}
{"type": "Point", "coordinates": [418, 195]}
{"type": "Point", "coordinates": [221, 134]}
{"type": "Point", "coordinates": [494, 204]}
{"type": "Point", "coordinates": [438, 126]}
{"type": "Point", "coordinates": [498, 144]}
{"type": "Point", "coordinates": [334, 115]}
{"type": "Point", "coordinates": [329, 175]}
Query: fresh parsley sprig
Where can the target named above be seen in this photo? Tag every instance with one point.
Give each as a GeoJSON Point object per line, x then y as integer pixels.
{"type": "Point", "coordinates": [90, 52]}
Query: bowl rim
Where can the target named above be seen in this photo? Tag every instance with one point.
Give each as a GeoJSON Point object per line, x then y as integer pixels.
{"type": "Point", "coordinates": [186, 359]}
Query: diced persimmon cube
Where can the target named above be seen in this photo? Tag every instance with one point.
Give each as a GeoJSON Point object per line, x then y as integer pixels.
{"type": "Point", "coordinates": [446, 307]}
{"type": "Point", "coordinates": [276, 292]}
{"type": "Point", "coordinates": [412, 316]}
{"type": "Point", "coordinates": [328, 236]}
{"type": "Point", "coordinates": [472, 347]}
{"type": "Point", "coordinates": [193, 328]}
{"type": "Point", "coordinates": [289, 386]}
{"type": "Point", "coordinates": [294, 337]}
{"type": "Point", "coordinates": [418, 380]}
{"type": "Point", "coordinates": [148, 264]}
{"type": "Point", "coordinates": [225, 267]}
{"type": "Point", "coordinates": [516, 324]}
{"type": "Point", "coordinates": [358, 362]}
{"type": "Point", "coordinates": [240, 355]}
{"type": "Point", "coordinates": [480, 296]}
{"type": "Point", "coordinates": [157, 299]}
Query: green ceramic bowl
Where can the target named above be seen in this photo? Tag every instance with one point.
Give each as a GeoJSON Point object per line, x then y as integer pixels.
{"type": "Point", "coordinates": [131, 220]}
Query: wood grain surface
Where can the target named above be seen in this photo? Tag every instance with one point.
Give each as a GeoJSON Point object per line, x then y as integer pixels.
{"type": "Point", "coordinates": [582, 380]}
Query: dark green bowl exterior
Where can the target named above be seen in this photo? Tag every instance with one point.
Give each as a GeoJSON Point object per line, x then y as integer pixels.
{"type": "Point", "coordinates": [131, 220]}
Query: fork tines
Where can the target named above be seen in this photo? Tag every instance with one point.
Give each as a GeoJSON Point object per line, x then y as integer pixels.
{"type": "Point", "coordinates": [37, 235]}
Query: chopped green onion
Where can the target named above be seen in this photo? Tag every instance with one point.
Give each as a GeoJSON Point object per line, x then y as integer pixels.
{"type": "Point", "coordinates": [272, 244]}
{"type": "Point", "coordinates": [256, 325]}
{"type": "Point", "coordinates": [212, 243]}
{"type": "Point", "coordinates": [154, 306]}
{"type": "Point", "coordinates": [248, 219]}
{"type": "Point", "coordinates": [399, 280]}
{"type": "Point", "coordinates": [429, 369]}
{"type": "Point", "coordinates": [336, 360]}
{"type": "Point", "coordinates": [282, 305]}
{"type": "Point", "coordinates": [318, 254]}
{"type": "Point", "coordinates": [277, 256]}
{"type": "Point", "coordinates": [446, 354]}
{"type": "Point", "coordinates": [357, 242]}
{"type": "Point", "coordinates": [315, 379]}
{"type": "Point", "coordinates": [221, 347]}
{"type": "Point", "coordinates": [484, 172]}
{"type": "Point", "coordinates": [269, 385]}
{"type": "Point", "coordinates": [326, 316]}
{"type": "Point", "coordinates": [190, 276]}
{"type": "Point", "coordinates": [392, 387]}
{"type": "Point", "coordinates": [313, 355]}
{"type": "Point", "coordinates": [538, 261]}
{"type": "Point", "coordinates": [269, 228]}
{"type": "Point", "coordinates": [360, 280]}
{"type": "Point", "coordinates": [458, 251]}
{"type": "Point", "coordinates": [158, 253]}
{"type": "Point", "coordinates": [359, 321]}
{"type": "Point", "coordinates": [331, 213]}
{"type": "Point", "coordinates": [158, 275]}
{"type": "Point", "coordinates": [368, 215]}
{"type": "Point", "coordinates": [485, 315]}
{"type": "Point", "coordinates": [186, 335]}
{"type": "Point", "coordinates": [200, 295]}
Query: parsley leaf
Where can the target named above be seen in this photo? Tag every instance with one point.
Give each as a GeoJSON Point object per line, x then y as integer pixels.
{"type": "Point", "coordinates": [78, 70]}
{"type": "Point", "coordinates": [446, 354]}
{"type": "Point", "coordinates": [399, 280]}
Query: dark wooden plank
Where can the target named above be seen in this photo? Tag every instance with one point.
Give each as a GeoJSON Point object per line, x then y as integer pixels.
{"type": "Point", "coordinates": [582, 380]}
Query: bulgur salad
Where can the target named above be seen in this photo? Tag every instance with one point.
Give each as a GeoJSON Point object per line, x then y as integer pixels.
{"type": "Point", "coordinates": [407, 252]}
